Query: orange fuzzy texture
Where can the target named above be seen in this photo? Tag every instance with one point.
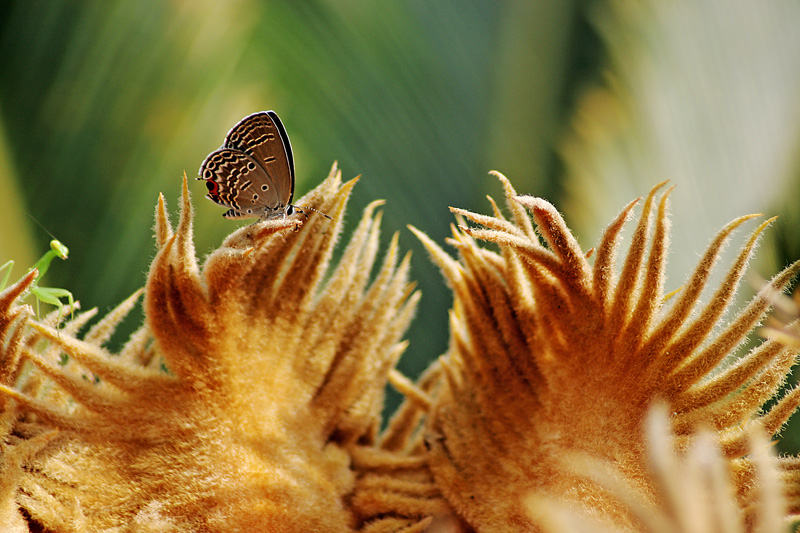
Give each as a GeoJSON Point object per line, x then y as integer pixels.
{"type": "Point", "coordinates": [695, 490]}
{"type": "Point", "coordinates": [268, 417]}
{"type": "Point", "coordinates": [552, 356]}
{"type": "Point", "coordinates": [277, 365]}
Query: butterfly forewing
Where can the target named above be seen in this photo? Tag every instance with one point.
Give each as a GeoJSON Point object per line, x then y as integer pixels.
{"type": "Point", "coordinates": [263, 137]}
{"type": "Point", "coordinates": [287, 146]}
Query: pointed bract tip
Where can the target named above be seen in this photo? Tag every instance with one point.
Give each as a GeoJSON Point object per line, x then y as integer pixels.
{"type": "Point", "coordinates": [372, 206]}
{"type": "Point", "coordinates": [347, 186]}
{"type": "Point", "coordinates": [163, 230]}
{"type": "Point", "coordinates": [351, 182]}
{"type": "Point", "coordinates": [14, 291]}
{"type": "Point", "coordinates": [658, 186]}
{"type": "Point", "coordinates": [505, 182]}
{"type": "Point", "coordinates": [422, 236]}
{"type": "Point", "coordinates": [185, 219]}
{"type": "Point", "coordinates": [533, 202]}
{"type": "Point", "coordinates": [375, 203]}
{"type": "Point", "coordinates": [185, 190]}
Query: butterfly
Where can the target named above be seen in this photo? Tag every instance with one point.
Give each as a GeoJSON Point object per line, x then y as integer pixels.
{"type": "Point", "coordinates": [253, 172]}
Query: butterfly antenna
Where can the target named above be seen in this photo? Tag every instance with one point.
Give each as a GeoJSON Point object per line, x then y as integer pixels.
{"type": "Point", "coordinates": [302, 210]}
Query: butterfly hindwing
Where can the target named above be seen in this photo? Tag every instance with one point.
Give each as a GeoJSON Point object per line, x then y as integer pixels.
{"type": "Point", "coordinates": [236, 180]}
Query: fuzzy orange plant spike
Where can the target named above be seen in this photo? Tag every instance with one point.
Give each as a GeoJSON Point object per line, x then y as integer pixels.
{"type": "Point", "coordinates": [552, 354]}
{"type": "Point", "coordinates": [784, 323]}
{"type": "Point", "coordinates": [693, 487]}
{"type": "Point", "coordinates": [20, 439]}
{"type": "Point", "coordinates": [276, 359]}
{"type": "Point", "coordinates": [250, 399]}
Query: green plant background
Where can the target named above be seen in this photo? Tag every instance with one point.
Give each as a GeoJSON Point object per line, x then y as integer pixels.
{"type": "Point", "coordinates": [105, 103]}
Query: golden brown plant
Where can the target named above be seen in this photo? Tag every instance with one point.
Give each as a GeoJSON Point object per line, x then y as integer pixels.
{"type": "Point", "coordinates": [277, 365]}
{"type": "Point", "coordinates": [695, 491]}
{"type": "Point", "coordinates": [250, 398]}
{"type": "Point", "coordinates": [551, 355]}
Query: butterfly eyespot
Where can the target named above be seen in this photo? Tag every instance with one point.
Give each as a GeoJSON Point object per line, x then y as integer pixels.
{"type": "Point", "coordinates": [255, 197]}
{"type": "Point", "coordinates": [249, 211]}
{"type": "Point", "coordinates": [264, 187]}
{"type": "Point", "coordinates": [251, 166]}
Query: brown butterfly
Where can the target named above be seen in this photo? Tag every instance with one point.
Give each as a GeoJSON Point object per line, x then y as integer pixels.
{"type": "Point", "coordinates": [253, 172]}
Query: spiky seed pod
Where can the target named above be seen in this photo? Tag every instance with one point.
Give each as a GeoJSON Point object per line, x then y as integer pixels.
{"type": "Point", "coordinates": [267, 418]}
{"type": "Point", "coordinates": [276, 363]}
{"type": "Point", "coordinates": [551, 355]}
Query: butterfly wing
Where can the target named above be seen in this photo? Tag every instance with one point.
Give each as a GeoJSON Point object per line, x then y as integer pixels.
{"type": "Point", "coordinates": [263, 137]}
{"type": "Point", "coordinates": [236, 180]}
